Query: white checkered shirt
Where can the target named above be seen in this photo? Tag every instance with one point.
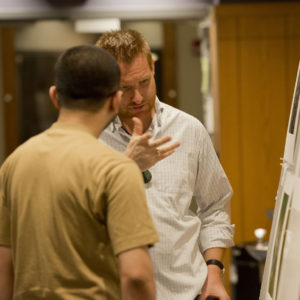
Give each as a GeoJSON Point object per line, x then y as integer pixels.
{"type": "Point", "coordinates": [193, 170]}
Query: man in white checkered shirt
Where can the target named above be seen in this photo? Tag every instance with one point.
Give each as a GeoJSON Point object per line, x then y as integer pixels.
{"type": "Point", "coordinates": [188, 258]}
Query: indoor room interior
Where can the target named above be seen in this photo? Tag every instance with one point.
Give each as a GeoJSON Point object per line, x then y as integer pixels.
{"type": "Point", "coordinates": [231, 64]}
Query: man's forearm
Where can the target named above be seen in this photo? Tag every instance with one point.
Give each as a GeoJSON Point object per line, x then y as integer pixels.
{"type": "Point", "coordinates": [214, 285]}
{"type": "Point", "coordinates": [6, 290]}
{"type": "Point", "coordinates": [137, 275]}
{"type": "Point", "coordinates": [214, 253]}
{"type": "Point", "coordinates": [6, 274]}
{"type": "Point", "coordinates": [138, 289]}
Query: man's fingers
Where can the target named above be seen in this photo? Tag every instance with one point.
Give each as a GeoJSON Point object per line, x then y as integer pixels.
{"type": "Point", "coordinates": [160, 141]}
{"type": "Point", "coordinates": [144, 138]}
{"type": "Point", "coordinates": [169, 147]}
{"type": "Point", "coordinates": [137, 127]}
{"type": "Point", "coordinates": [164, 152]}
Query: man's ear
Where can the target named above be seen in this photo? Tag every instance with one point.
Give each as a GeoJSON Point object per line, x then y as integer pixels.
{"type": "Point", "coordinates": [53, 96]}
{"type": "Point", "coordinates": [116, 101]}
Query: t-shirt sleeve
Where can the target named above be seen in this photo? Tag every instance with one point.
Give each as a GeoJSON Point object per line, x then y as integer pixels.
{"type": "Point", "coordinates": [129, 222]}
{"type": "Point", "coordinates": [4, 214]}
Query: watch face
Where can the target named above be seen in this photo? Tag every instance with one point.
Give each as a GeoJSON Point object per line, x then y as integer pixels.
{"type": "Point", "coordinates": [147, 176]}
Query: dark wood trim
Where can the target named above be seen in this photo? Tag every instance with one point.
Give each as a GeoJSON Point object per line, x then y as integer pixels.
{"type": "Point", "coordinates": [9, 96]}
{"type": "Point", "coordinates": [169, 78]}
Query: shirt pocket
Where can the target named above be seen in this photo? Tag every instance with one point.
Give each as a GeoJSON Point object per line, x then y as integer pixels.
{"type": "Point", "coordinates": [170, 178]}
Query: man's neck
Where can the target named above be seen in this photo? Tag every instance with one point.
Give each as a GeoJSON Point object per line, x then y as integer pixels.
{"type": "Point", "coordinates": [128, 124]}
{"type": "Point", "coordinates": [94, 121]}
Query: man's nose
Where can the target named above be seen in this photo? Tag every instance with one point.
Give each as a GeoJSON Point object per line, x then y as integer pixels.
{"type": "Point", "coordinates": [137, 97]}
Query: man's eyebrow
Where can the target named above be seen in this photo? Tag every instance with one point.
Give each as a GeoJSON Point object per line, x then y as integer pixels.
{"type": "Point", "coordinates": [125, 86]}
{"type": "Point", "coordinates": [129, 85]}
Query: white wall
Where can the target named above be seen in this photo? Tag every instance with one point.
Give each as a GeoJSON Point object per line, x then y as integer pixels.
{"type": "Point", "coordinates": [188, 70]}
{"type": "Point", "coordinates": [152, 31]}
{"type": "Point", "coordinates": [50, 36]}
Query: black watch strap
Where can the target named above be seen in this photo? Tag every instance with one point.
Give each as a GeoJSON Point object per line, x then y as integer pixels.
{"type": "Point", "coordinates": [215, 262]}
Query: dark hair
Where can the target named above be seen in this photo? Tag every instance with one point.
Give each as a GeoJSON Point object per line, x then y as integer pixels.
{"type": "Point", "coordinates": [125, 45]}
{"type": "Point", "coordinates": [84, 76]}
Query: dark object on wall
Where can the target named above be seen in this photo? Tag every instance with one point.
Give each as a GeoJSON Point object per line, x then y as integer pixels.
{"type": "Point", "coordinates": [246, 268]}
{"type": "Point", "coordinates": [37, 113]}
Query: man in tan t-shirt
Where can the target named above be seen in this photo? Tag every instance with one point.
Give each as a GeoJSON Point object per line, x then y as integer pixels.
{"type": "Point", "coordinates": [74, 222]}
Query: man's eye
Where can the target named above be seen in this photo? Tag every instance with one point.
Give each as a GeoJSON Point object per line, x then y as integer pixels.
{"type": "Point", "coordinates": [145, 81]}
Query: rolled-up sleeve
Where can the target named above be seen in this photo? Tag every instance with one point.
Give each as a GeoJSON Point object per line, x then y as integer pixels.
{"type": "Point", "coordinates": [213, 193]}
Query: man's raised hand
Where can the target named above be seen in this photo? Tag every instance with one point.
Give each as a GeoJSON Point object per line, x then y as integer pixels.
{"type": "Point", "coordinates": [147, 153]}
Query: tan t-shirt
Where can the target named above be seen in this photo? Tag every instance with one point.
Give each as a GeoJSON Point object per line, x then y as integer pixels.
{"type": "Point", "coordinates": [68, 205]}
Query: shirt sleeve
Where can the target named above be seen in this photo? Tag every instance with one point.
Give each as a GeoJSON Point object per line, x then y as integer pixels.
{"type": "Point", "coordinates": [213, 193]}
{"type": "Point", "coordinates": [4, 213]}
{"type": "Point", "coordinates": [129, 222]}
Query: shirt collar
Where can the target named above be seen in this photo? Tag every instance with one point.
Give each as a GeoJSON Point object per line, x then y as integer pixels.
{"type": "Point", "coordinates": [116, 124]}
{"type": "Point", "coordinates": [71, 126]}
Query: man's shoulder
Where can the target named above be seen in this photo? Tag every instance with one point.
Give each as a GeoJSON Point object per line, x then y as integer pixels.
{"type": "Point", "coordinates": [27, 146]}
{"type": "Point", "coordinates": [108, 131]}
{"type": "Point", "coordinates": [110, 152]}
{"type": "Point", "coordinates": [180, 116]}
{"type": "Point", "coordinates": [112, 137]}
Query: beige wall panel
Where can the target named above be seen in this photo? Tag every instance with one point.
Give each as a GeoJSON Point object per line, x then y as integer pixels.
{"type": "Point", "coordinates": [263, 123]}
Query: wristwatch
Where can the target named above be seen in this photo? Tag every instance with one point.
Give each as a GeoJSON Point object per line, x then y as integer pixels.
{"type": "Point", "coordinates": [217, 263]}
{"type": "Point", "coordinates": [147, 176]}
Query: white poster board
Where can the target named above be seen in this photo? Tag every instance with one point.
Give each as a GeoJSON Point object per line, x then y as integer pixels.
{"type": "Point", "coordinates": [281, 277]}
